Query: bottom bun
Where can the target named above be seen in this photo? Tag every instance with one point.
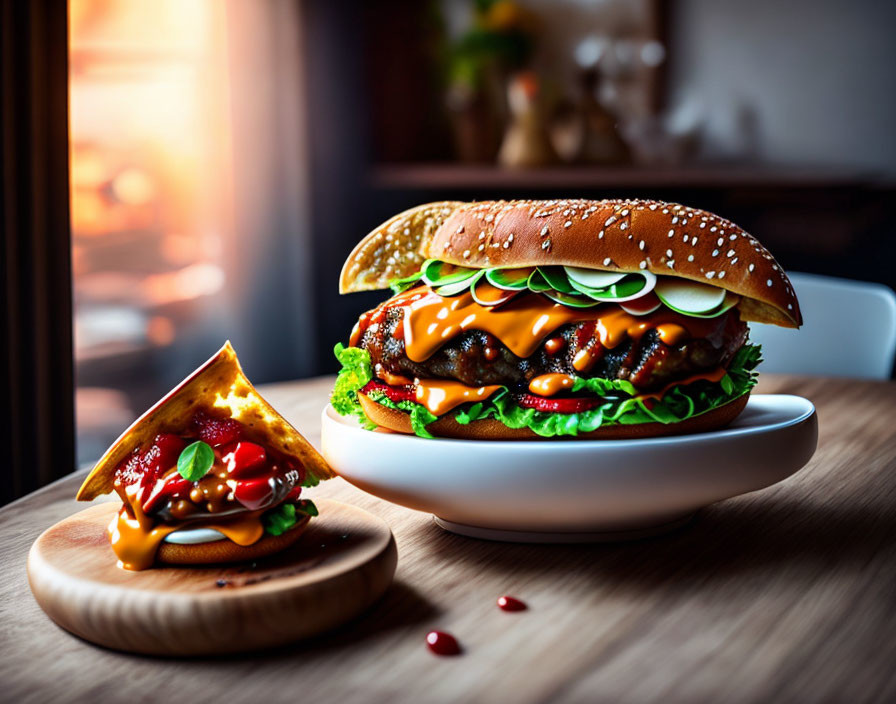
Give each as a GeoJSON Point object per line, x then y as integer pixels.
{"type": "Point", "coordinates": [228, 551]}
{"type": "Point", "coordinates": [491, 429]}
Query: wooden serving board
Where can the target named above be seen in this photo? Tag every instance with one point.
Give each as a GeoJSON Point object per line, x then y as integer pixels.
{"type": "Point", "coordinates": [342, 564]}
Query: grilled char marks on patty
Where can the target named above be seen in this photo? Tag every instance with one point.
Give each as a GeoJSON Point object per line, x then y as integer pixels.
{"type": "Point", "coordinates": [477, 358]}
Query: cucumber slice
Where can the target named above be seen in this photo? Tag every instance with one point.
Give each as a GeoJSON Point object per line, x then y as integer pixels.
{"type": "Point", "coordinates": [537, 282]}
{"type": "Point", "coordinates": [403, 284]}
{"type": "Point", "coordinates": [485, 294]}
{"type": "Point", "coordinates": [556, 277]}
{"type": "Point", "coordinates": [439, 273]}
{"type": "Point", "coordinates": [509, 279]}
{"type": "Point", "coordinates": [457, 287]}
{"type": "Point", "coordinates": [591, 278]}
{"type": "Point", "coordinates": [689, 296]}
{"type": "Point", "coordinates": [570, 299]}
{"type": "Point", "coordinates": [730, 300]}
{"type": "Point", "coordinates": [633, 286]}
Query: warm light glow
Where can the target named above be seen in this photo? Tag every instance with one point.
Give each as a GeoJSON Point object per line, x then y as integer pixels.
{"type": "Point", "coordinates": [149, 126]}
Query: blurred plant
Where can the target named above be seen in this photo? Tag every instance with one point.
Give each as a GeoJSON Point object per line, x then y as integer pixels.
{"type": "Point", "coordinates": [499, 42]}
{"type": "Point", "coordinates": [501, 38]}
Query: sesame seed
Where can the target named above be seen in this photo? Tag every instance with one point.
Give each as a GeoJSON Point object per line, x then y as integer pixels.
{"type": "Point", "coordinates": [671, 263]}
{"type": "Point", "coordinates": [643, 265]}
{"type": "Point", "coordinates": [675, 220]}
{"type": "Point", "coordinates": [685, 238]}
{"type": "Point", "coordinates": [713, 228]}
{"type": "Point", "coordinates": [733, 237]}
{"type": "Point", "coordinates": [641, 245]}
{"type": "Point", "coordinates": [600, 235]}
{"type": "Point", "coordinates": [566, 212]}
{"type": "Point", "coordinates": [668, 252]}
{"type": "Point", "coordinates": [671, 233]}
{"type": "Point", "coordinates": [489, 217]}
{"type": "Point", "coordinates": [769, 283]}
{"type": "Point", "coordinates": [721, 274]}
{"type": "Point", "coordinates": [789, 306]}
{"type": "Point", "coordinates": [751, 267]}
{"type": "Point", "coordinates": [544, 231]}
{"type": "Point", "coordinates": [730, 253]}
{"type": "Point", "coordinates": [653, 206]}
{"type": "Point", "coordinates": [690, 257]}
{"type": "Point", "coordinates": [510, 237]}
{"type": "Point", "coordinates": [710, 274]}
{"type": "Point", "coordinates": [482, 247]}
{"type": "Point", "coordinates": [684, 222]}
{"type": "Point", "coordinates": [702, 225]}
{"type": "Point", "coordinates": [623, 225]}
{"type": "Point", "coordinates": [715, 252]}
{"type": "Point", "coordinates": [466, 254]}
{"type": "Point", "coordinates": [720, 241]}
{"type": "Point", "coordinates": [546, 244]}
{"type": "Point", "coordinates": [609, 221]}
{"type": "Point", "coordinates": [693, 242]}
{"type": "Point", "coordinates": [607, 261]}
{"type": "Point", "coordinates": [482, 235]}
{"type": "Point", "coordinates": [624, 213]}
{"type": "Point", "coordinates": [459, 229]}
{"type": "Point", "coordinates": [568, 223]}
{"type": "Point", "coordinates": [734, 261]}
{"type": "Point", "coordinates": [506, 244]}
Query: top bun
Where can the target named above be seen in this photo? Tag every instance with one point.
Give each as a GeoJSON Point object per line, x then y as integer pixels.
{"type": "Point", "coordinates": [609, 235]}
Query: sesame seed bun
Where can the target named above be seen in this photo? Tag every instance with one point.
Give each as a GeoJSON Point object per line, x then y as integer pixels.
{"type": "Point", "coordinates": [221, 551]}
{"type": "Point", "coordinates": [491, 429]}
{"type": "Point", "coordinates": [609, 235]}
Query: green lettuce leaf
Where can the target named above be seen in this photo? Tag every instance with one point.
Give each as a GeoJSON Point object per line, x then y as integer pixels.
{"type": "Point", "coordinates": [621, 405]}
{"type": "Point", "coordinates": [355, 373]}
{"type": "Point", "coordinates": [285, 516]}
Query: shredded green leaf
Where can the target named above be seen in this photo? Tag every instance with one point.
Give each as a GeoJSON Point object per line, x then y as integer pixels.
{"type": "Point", "coordinates": [285, 516]}
{"type": "Point", "coordinates": [621, 405]}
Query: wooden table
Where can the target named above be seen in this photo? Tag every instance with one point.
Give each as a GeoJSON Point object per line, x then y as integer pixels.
{"type": "Point", "coordinates": [787, 594]}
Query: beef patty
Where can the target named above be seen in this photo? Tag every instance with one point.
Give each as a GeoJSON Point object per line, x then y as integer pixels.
{"type": "Point", "coordinates": [477, 358]}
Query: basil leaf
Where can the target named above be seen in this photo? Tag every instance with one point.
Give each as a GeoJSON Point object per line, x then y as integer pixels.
{"type": "Point", "coordinates": [195, 460]}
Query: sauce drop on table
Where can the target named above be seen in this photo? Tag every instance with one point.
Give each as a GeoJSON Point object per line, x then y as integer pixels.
{"type": "Point", "coordinates": [442, 643]}
{"type": "Point", "coordinates": [509, 603]}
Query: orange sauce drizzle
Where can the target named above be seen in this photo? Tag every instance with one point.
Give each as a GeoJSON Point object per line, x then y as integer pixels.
{"type": "Point", "coordinates": [430, 321]}
{"type": "Point", "coordinates": [712, 375]}
{"type": "Point", "coordinates": [550, 384]}
{"type": "Point", "coordinates": [136, 540]}
{"type": "Point", "coordinates": [440, 396]}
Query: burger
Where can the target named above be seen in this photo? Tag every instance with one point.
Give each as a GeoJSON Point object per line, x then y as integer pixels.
{"type": "Point", "coordinates": [557, 319]}
{"type": "Point", "coordinates": [211, 473]}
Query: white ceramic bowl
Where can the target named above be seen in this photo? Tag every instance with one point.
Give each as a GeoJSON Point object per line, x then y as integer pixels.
{"type": "Point", "coordinates": [575, 490]}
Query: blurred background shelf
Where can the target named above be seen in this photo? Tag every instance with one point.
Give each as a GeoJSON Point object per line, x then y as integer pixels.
{"type": "Point", "coordinates": [435, 175]}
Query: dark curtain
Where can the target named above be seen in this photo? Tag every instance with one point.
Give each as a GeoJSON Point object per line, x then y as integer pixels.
{"type": "Point", "coordinates": [37, 436]}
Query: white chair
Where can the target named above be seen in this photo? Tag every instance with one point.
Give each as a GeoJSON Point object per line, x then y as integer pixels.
{"type": "Point", "coordinates": [849, 329]}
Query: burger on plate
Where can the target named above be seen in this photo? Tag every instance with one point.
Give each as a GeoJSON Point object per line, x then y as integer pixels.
{"type": "Point", "coordinates": [557, 319]}
{"type": "Point", "coordinates": [211, 473]}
